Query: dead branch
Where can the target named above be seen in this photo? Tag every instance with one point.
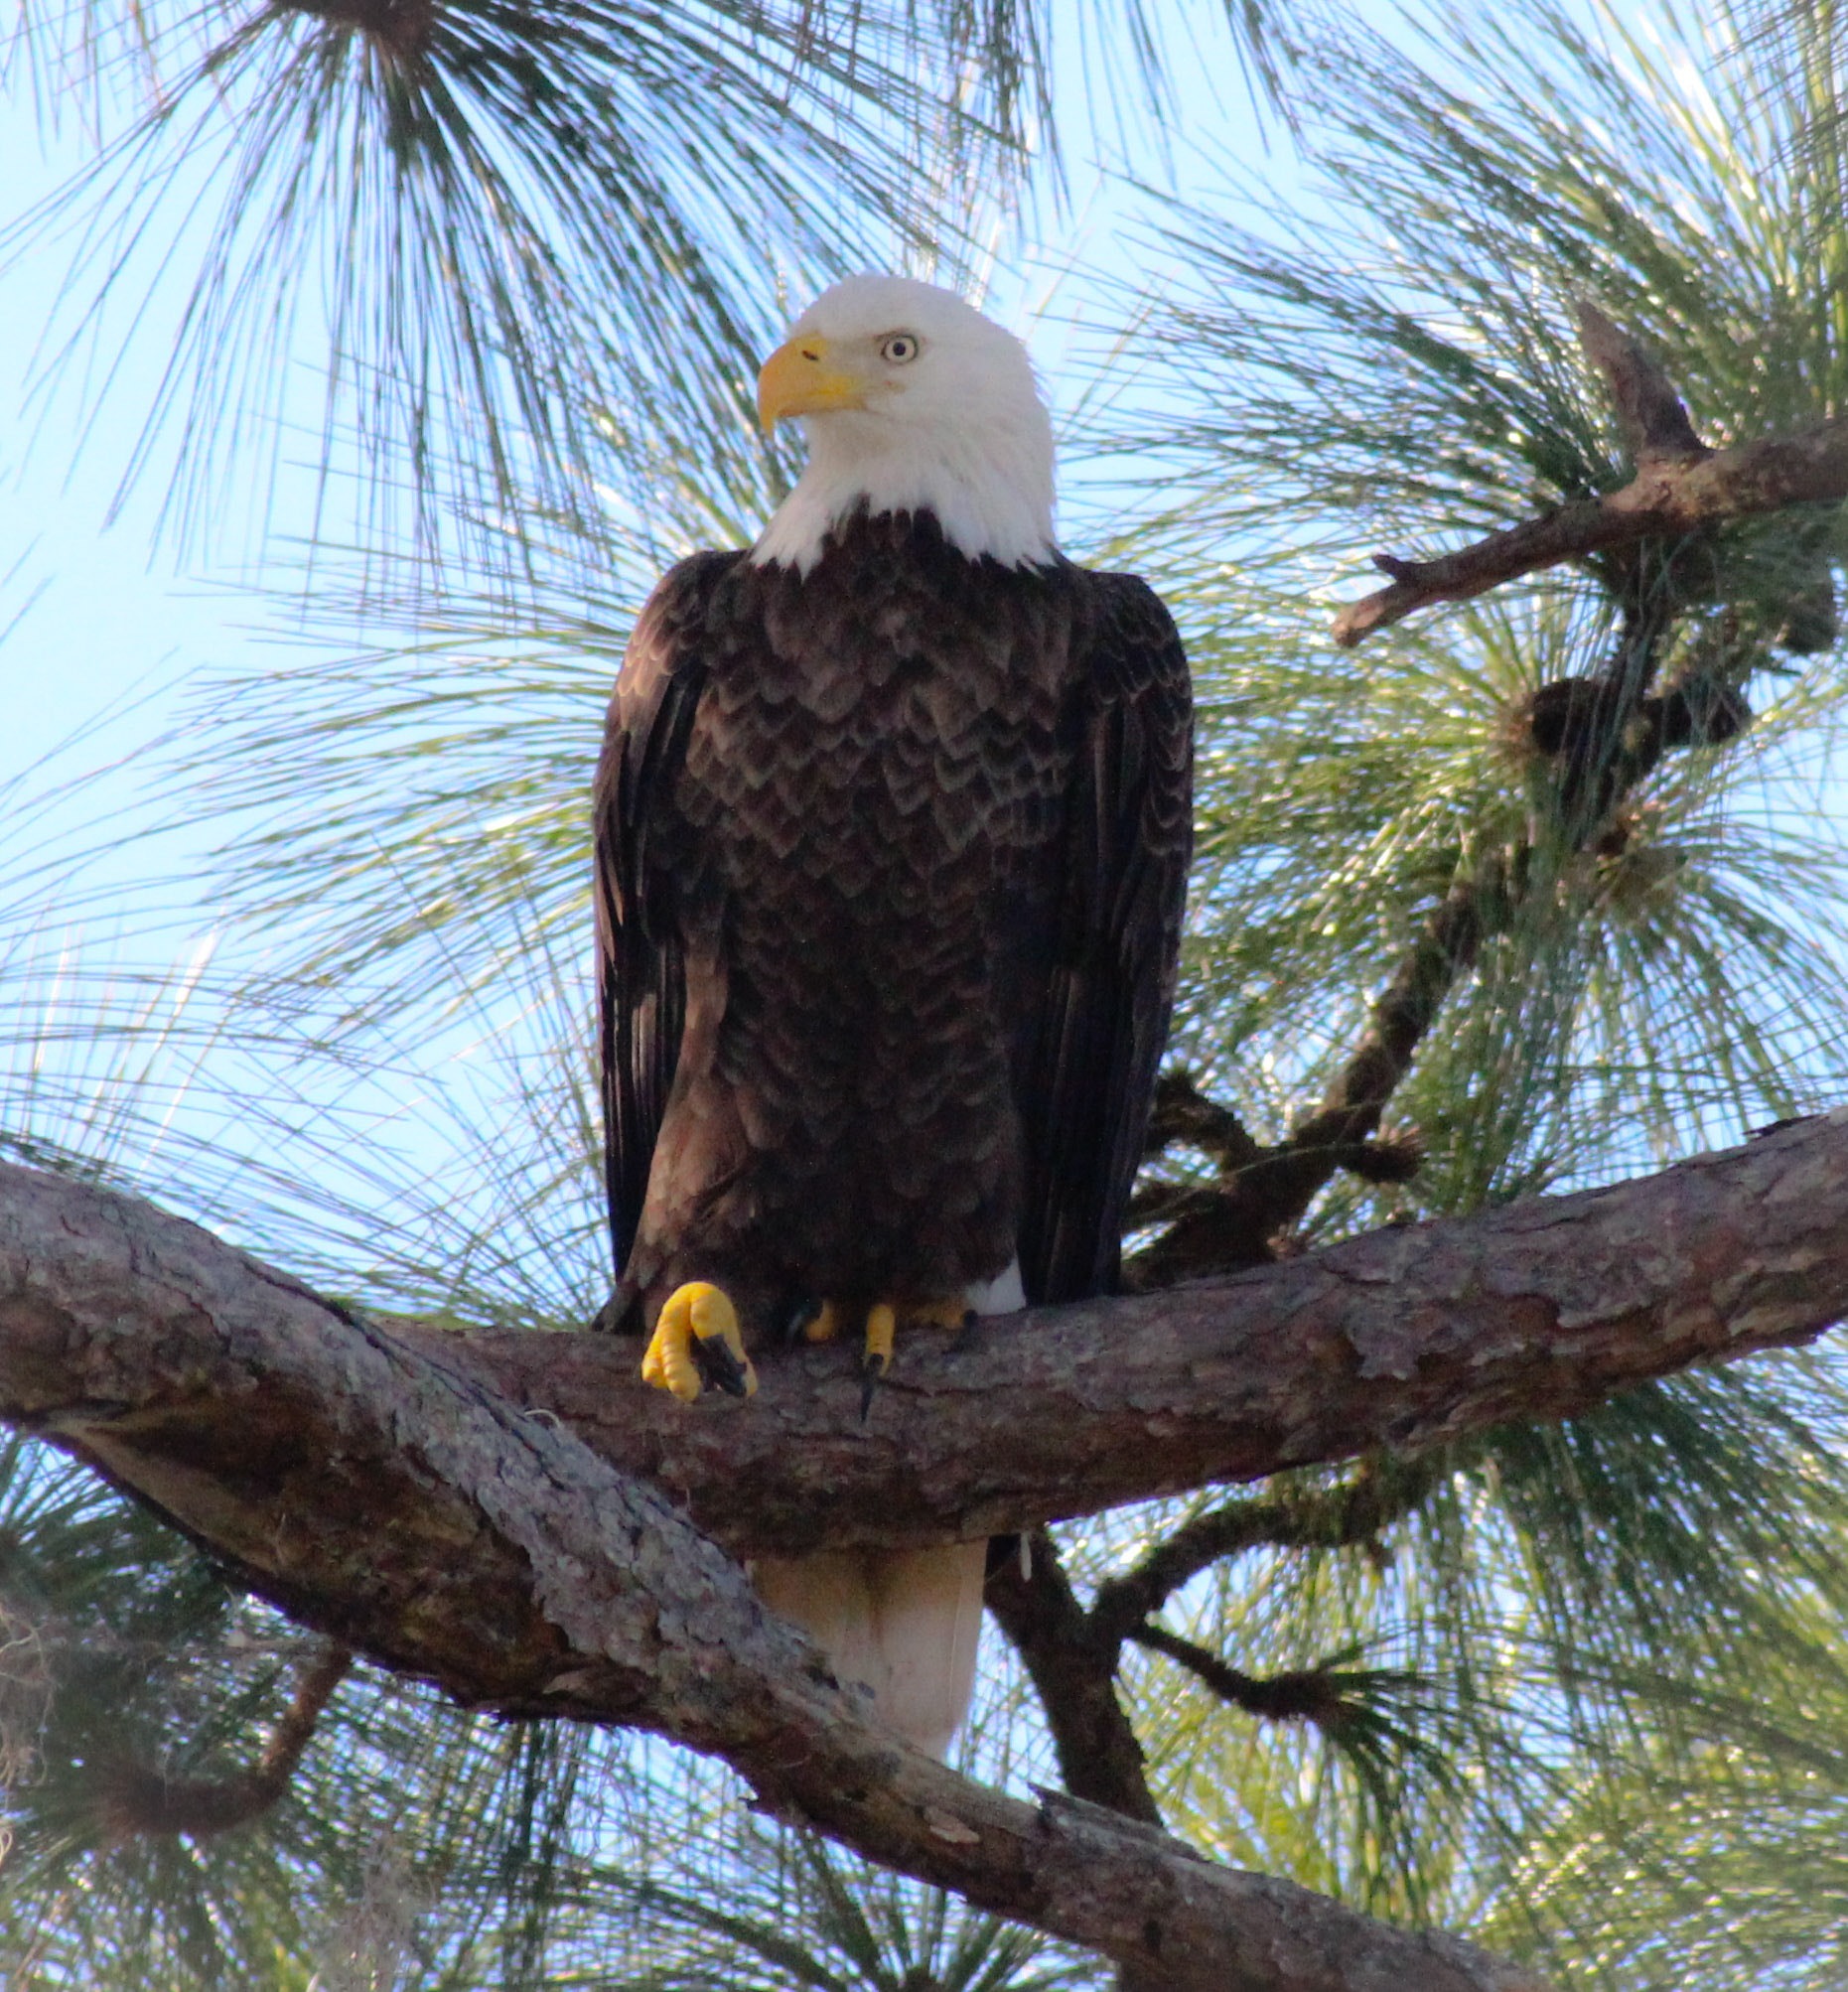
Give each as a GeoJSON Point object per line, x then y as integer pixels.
{"type": "Point", "coordinates": [1650, 412]}
{"type": "Point", "coordinates": [1679, 488]}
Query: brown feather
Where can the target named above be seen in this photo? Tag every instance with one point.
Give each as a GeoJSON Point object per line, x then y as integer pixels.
{"type": "Point", "coordinates": [890, 869]}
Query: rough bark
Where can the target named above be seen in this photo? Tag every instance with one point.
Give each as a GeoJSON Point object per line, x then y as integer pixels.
{"type": "Point", "coordinates": [1396, 1340]}
{"type": "Point", "coordinates": [469, 1508]}
{"type": "Point", "coordinates": [389, 1495]}
{"type": "Point", "coordinates": [1650, 413]}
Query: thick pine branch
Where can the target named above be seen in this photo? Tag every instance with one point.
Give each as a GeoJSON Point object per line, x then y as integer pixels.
{"type": "Point", "coordinates": [475, 1509]}
{"type": "Point", "coordinates": [1400, 1339]}
{"type": "Point", "coordinates": [389, 1495]}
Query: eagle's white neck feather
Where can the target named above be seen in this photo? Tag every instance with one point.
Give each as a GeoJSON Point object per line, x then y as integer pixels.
{"type": "Point", "coordinates": [968, 438]}
{"type": "Point", "coordinates": [982, 483]}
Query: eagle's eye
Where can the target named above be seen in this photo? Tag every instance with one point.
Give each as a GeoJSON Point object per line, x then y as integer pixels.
{"type": "Point", "coordinates": [897, 347]}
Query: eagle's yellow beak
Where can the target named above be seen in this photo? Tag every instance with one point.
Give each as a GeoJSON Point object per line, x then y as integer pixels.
{"type": "Point", "coordinates": [802, 377]}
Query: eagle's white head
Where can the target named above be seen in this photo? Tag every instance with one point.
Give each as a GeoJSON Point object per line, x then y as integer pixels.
{"type": "Point", "coordinates": [914, 402]}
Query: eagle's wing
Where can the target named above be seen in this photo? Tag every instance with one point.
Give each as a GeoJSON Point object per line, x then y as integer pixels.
{"type": "Point", "coordinates": [642, 979]}
{"type": "Point", "coordinates": [1106, 939]}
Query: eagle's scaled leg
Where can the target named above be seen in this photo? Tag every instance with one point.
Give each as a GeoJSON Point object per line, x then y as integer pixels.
{"type": "Point", "coordinates": [696, 1342]}
{"type": "Point", "coordinates": [882, 1327]}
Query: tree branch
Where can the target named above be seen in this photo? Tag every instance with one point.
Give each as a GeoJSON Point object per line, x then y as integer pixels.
{"type": "Point", "coordinates": [1231, 1223]}
{"type": "Point", "coordinates": [1305, 1695]}
{"type": "Point", "coordinates": [1650, 412]}
{"type": "Point", "coordinates": [1674, 492]}
{"type": "Point", "coordinates": [420, 1496]}
{"type": "Point", "coordinates": [136, 1799]}
{"type": "Point", "coordinates": [1382, 1492]}
{"type": "Point", "coordinates": [1400, 1339]}
{"type": "Point", "coordinates": [386, 1494]}
{"type": "Point", "coordinates": [1075, 1676]}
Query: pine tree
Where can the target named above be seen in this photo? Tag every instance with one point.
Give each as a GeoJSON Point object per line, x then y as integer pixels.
{"type": "Point", "coordinates": [1526, 884]}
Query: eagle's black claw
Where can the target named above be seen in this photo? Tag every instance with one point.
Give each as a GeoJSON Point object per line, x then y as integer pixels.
{"type": "Point", "coordinates": [872, 1369]}
{"type": "Point", "coordinates": [719, 1369]}
{"type": "Point", "coordinates": [802, 1317]}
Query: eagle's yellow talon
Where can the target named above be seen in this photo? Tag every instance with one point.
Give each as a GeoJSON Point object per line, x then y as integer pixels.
{"type": "Point", "coordinates": [697, 1313]}
{"type": "Point", "coordinates": [823, 1326]}
{"type": "Point", "coordinates": [882, 1327]}
{"type": "Point", "coordinates": [655, 1362]}
{"type": "Point", "coordinates": [940, 1314]}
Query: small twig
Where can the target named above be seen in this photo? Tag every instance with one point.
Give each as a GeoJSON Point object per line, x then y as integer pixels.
{"type": "Point", "coordinates": [137, 1802]}
{"type": "Point", "coordinates": [1304, 1694]}
{"type": "Point", "coordinates": [1357, 1511]}
{"type": "Point", "coordinates": [1182, 1115]}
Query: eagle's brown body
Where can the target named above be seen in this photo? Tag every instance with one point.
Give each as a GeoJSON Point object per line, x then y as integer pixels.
{"type": "Point", "coordinates": [891, 859]}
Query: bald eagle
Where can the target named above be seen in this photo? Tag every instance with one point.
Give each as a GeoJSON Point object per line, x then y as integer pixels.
{"type": "Point", "coordinates": [893, 823]}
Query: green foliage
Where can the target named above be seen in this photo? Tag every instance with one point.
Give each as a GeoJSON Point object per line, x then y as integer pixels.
{"type": "Point", "coordinates": [1414, 378]}
{"type": "Point", "coordinates": [450, 187]}
{"type": "Point", "coordinates": [415, 1846]}
{"type": "Point", "coordinates": [504, 259]}
{"type": "Point", "coordinates": [1582, 1690]}
{"type": "Point", "coordinates": [1586, 1616]}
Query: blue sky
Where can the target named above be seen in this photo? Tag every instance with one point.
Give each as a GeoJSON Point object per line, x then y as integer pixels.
{"type": "Point", "coordinates": [108, 617]}
{"type": "Point", "coordinates": [98, 608]}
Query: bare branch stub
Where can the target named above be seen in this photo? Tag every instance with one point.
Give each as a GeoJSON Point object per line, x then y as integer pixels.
{"type": "Point", "coordinates": [1650, 414]}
